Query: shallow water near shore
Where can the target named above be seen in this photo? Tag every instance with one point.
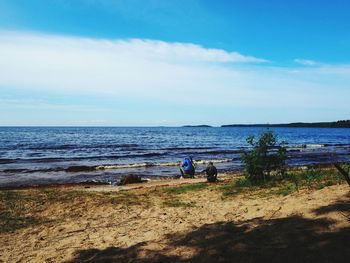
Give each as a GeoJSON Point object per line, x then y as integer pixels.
{"type": "Point", "coordinates": [41, 155]}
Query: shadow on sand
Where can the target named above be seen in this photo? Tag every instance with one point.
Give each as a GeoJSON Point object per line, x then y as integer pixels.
{"type": "Point", "coordinates": [291, 239]}
{"type": "Point", "coordinates": [342, 207]}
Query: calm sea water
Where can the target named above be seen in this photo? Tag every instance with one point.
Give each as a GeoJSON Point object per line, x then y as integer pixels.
{"type": "Point", "coordinates": [40, 155]}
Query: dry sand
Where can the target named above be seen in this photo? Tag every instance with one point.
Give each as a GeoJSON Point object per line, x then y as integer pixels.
{"type": "Point", "coordinates": [100, 224]}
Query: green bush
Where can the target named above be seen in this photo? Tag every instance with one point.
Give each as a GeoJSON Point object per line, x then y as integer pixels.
{"type": "Point", "coordinates": [266, 155]}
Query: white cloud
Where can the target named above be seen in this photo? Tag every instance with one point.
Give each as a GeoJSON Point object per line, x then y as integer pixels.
{"type": "Point", "coordinates": [141, 48]}
{"type": "Point", "coordinates": [160, 71]}
{"type": "Point", "coordinates": [305, 62]}
{"type": "Point", "coordinates": [160, 50]}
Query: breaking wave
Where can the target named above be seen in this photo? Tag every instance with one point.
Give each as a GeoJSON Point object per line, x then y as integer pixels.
{"type": "Point", "coordinates": [149, 164]}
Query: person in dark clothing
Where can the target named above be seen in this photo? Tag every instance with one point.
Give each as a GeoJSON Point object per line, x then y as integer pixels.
{"type": "Point", "coordinates": [212, 172]}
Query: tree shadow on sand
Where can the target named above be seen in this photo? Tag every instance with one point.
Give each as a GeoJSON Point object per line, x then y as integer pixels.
{"type": "Point", "coordinates": [291, 239]}
{"type": "Point", "coordinates": [341, 206]}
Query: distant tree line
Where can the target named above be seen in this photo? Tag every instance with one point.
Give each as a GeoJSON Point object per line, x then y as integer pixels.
{"type": "Point", "coordinates": [335, 124]}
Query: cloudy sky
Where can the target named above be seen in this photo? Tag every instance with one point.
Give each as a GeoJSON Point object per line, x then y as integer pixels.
{"type": "Point", "coordinates": [157, 62]}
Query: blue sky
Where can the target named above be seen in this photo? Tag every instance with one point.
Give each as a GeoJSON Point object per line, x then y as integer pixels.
{"type": "Point", "coordinates": [157, 62]}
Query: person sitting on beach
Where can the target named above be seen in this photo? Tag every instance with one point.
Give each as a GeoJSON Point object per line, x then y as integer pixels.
{"type": "Point", "coordinates": [187, 168]}
{"type": "Point", "coordinates": [212, 173]}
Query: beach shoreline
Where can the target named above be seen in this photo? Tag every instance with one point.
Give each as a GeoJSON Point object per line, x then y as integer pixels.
{"type": "Point", "coordinates": [149, 181]}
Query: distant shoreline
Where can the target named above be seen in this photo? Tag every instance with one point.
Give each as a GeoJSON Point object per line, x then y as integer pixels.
{"type": "Point", "coordinates": [197, 126]}
{"type": "Point", "coordinates": [333, 124]}
{"type": "Point", "coordinates": [336, 124]}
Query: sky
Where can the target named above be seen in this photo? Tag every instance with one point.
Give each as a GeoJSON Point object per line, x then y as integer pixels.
{"type": "Point", "coordinates": [170, 63]}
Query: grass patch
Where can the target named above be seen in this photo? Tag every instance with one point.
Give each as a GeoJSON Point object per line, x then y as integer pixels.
{"type": "Point", "coordinates": [311, 178]}
{"type": "Point", "coordinates": [242, 182]}
{"type": "Point", "coordinates": [185, 188]}
{"type": "Point", "coordinates": [12, 212]}
{"type": "Point", "coordinates": [238, 186]}
{"type": "Point", "coordinates": [171, 194]}
{"type": "Point", "coordinates": [57, 195]}
{"type": "Point", "coordinates": [20, 209]}
{"type": "Point", "coordinates": [314, 178]}
{"type": "Point", "coordinates": [231, 191]}
{"type": "Point", "coordinates": [54, 195]}
{"type": "Point", "coordinates": [126, 198]}
{"type": "Point", "coordinates": [64, 196]}
{"type": "Point", "coordinates": [286, 190]}
{"type": "Point", "coordinates": [178, 203]}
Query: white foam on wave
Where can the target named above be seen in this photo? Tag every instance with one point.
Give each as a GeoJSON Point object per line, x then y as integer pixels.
{"type": "Point", "coordinates": [213, 161]}
{"type": "Point", "coordinates": [141, 165]}
{"type": "Point", "coordinates": [305, 146]}
{"type": "Point", "coordinates": [314, 145]}
{"type": "Point", "coordinates": [123, 166]}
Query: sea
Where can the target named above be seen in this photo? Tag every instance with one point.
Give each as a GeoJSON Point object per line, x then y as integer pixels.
{"type": "Point", "coordinates": [57, 155]}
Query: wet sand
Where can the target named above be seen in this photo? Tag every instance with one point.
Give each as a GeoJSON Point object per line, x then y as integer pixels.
{"type": "Point", "coordinates": [154, 223]}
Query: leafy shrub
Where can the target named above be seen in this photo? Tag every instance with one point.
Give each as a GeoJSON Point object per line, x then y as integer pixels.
{"type": "Point", "coordinates": [266, 155]}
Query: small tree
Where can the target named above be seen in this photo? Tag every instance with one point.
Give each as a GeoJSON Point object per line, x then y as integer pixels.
{"type": "Point", "coordinates": [265, 156]}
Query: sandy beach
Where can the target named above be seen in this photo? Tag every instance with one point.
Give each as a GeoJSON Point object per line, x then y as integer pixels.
{"type": "Point", "coordinates": [179, 221]}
